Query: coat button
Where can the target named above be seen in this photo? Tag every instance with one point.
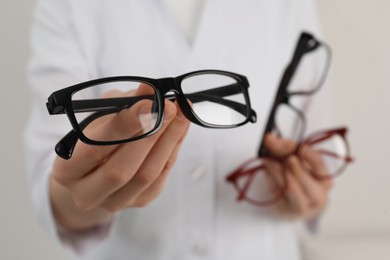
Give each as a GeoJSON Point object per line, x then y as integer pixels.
{"type": "Point", "coordinates": [198, 172]}
{"type": "Point", "coordinates": [200, 249]}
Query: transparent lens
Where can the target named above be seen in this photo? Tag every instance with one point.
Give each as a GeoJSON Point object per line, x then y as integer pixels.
{"type": "Point", "coordinates": [289, 124]}
{"type": "Point", "coordinates": [311, 71]}
{"type": "Point", "coordinates": [334, 153]}
{"type": "Point", "coordinates": [260, 186]}
{"type": "Point", "coordinates": [216, 99]}
{"type": "Point", "coordinates": [127, 109]}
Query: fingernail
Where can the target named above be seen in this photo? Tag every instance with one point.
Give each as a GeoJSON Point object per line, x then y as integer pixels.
{"type": "Point", "coordinates": [270, 138]}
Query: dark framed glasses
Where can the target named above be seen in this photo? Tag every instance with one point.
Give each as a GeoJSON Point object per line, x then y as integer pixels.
{"type": "Point", "coordinates": [285, 118]}
{"type": "Point", "coordinates": [209, 98]}
{"type": "Point", "coordinates": [251, 180]}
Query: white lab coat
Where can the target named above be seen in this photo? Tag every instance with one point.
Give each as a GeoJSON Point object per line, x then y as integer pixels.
{"type": "Point", "coordinates": [197, 215]}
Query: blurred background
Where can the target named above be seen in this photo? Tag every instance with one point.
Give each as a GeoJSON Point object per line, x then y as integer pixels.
{"type": "Point", "coordinates": [357, 224]}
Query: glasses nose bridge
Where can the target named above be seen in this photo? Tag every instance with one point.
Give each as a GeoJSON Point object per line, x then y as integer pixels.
{"type": "Point", "coordinates": [168, 84]}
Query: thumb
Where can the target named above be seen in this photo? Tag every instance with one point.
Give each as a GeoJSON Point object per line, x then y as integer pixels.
{"type": "Point", "coordinates": [279, 146]}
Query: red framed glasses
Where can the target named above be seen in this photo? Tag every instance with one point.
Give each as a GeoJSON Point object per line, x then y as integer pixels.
{"type": "Point", "coordinates": [255, 185]}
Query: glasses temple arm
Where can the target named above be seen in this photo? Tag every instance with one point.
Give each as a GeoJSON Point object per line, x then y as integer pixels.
{"type": "Point", "coordinates": [212, 95]}
{"type": "Point", "coordinates": [223, 91]}
{"type": "Point", "coordinates": [347, 158]}
{"type": "Point", "coordinates": [64, 148]}
{"type": "Point", "coordinates": [215, 95]}
{"type": "Point", "coordinates": [240, 108]}
{"type": "Point", "coordinates": [91, 105]}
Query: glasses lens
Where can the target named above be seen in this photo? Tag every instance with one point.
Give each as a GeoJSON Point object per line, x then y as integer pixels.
{"type": "Point", "coordinates": [311, 71]}
{"type": "Point", "coordinates": [334, 152]}
{"type": "Point", "coordinates": [128, 109]}
{"type": "Point", "coordinates": [289, 123]}
{"type": "Point", "coordinates": [216, 99]}
{"type": "Point", "coordinates": [259, 186]}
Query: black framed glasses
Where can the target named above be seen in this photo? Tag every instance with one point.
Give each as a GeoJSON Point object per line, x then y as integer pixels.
{"type": "Point", "coordinates": [303, 76]}
{"type": "Point", "coordinates": [209, 98]}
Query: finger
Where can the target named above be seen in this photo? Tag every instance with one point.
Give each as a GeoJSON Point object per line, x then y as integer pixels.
{"type": "Point", "coordinates": [311, 188]}
{"type": "Point", "coordinates": [151, 192]}
{"type": "Point", "coordinates": [109, 94]}
{"type": "Point", "coordinates": [87, 157]}
{"type": "Point", "coordinates": [123, 129]}
{"type": "Point", "coordinates": [144, 89]}
{"type": "Point", "coordinates": [295, 197]}
{"type": "Point", "coordinates": [155, 165]}
{"type": "Point", "coordinates": [118, 169]}
{"type": "Point", "coordinates": [316, 165]}
{"type": "Point", "coordinates": [275, 174]}
{"type": "Point", "coordinates": [278, 146]}
{"type": "Point", "coordinates": [285, 186]}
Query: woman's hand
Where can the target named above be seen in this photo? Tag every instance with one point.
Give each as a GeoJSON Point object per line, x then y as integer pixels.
{"type": "Point", "coordinates": [305, 196]}
{"type": "Point", "coordinates": [99, 181]}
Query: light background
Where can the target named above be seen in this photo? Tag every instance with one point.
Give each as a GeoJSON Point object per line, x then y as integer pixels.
{"type": "Point", "coordinates": [358, 221]}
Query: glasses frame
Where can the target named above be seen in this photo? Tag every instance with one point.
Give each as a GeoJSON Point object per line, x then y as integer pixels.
{"type": "Point", "coordinates": [306, 43]}
{"type": "Point", "coordinates": [312, 139]}
{"type": "Point", "coordinates": [60, 102]}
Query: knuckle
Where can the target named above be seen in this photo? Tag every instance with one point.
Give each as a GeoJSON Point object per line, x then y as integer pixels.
{"type": "Point", "coordinates": [93, 156]}
{"type": "Point", "coordinates": [111, 207]}
{"type": "Point", "coordinates": [328, 184]}
{"type": "Point", "coordinates": [316, 202]}
{"type": "Point", "coordinates": [59, 174]}
{"type": "Point", "coordinates": [141, 202]}
{"type": "Point", "coordinates": [146, 176]}
{"type": "Point", "coordinates": [181, 140]}
{"type": "Point", "coordinates": [321, 200]}
{"type": "Point", "coordinates": [293, 161]}
{"type": "Point", "coordinates": [61, 179]}
{"type": "Point", "coordinates": [83, 204]}
{"type": "Point", "coordinates": [168, 165]}
{"type": "Point", "coordinates": [115, 177]}
{"type": "Point", "coordinates": [146, 198]}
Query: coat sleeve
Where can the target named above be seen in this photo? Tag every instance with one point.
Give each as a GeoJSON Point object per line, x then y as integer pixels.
{"type": "Point", "coordinates": [56, 61]}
